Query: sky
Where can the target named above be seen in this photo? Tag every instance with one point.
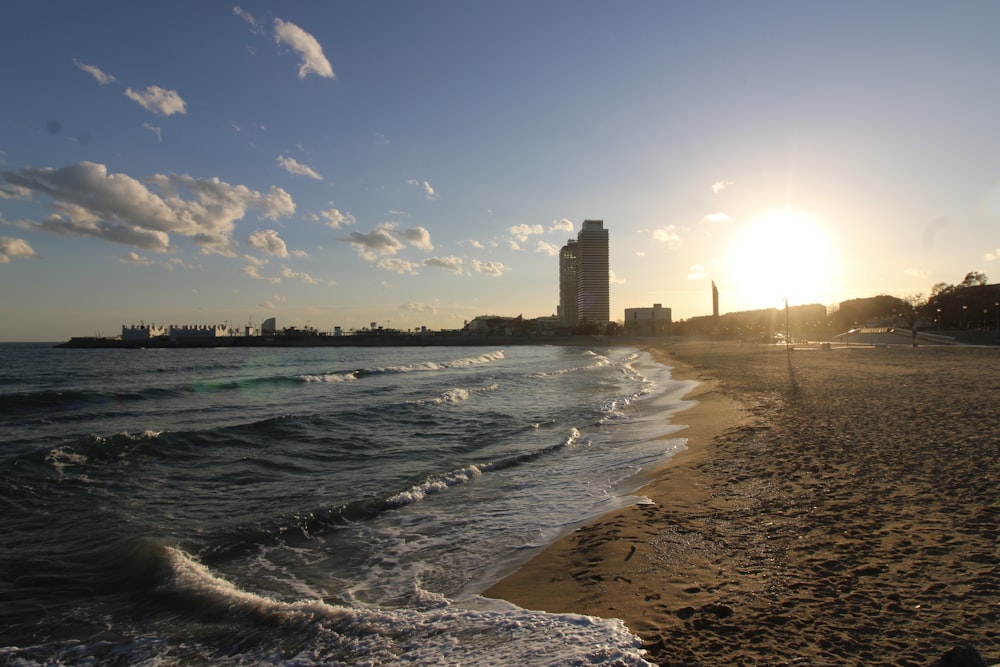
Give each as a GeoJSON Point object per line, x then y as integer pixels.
{"type": "Point", "coordinates": [420, 163]}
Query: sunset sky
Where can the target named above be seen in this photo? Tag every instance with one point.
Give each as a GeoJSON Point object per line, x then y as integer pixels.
{"type": "Point", "coordinates": [420, 163]}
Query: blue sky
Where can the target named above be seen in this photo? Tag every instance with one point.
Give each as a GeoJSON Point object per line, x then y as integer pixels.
{"type": "Point", "coordinates": [420, 163]}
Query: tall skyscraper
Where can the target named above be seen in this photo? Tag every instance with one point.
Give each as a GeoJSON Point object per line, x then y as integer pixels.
{"type": "Point", "coordinates": [567, 284]}
{"type": "Point", "coordinates": [593, 295]}
{"type": "Point", "coordinates": [585, 263]}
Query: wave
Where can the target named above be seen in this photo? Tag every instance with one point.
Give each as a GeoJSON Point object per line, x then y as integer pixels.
{"type": "Point", "coordinates": [30, 403]}
{"type": "Point", "coordinates": [324, 520]}
{"type": "Point", "coordinates": [457, 395]}
{"type": "Point", "coordinates": [597, 361]}
{"type": "Point", "coordinates": [464, 362]}
{"type": "Point", "coordinates": [346, 376]}
{"type": "Point", "coordinates": [353, 374]}
{"type": "Point", "coordinates": [325, 633]}
{"type": "Point", "coordinates": [96, 449]}
{"type": "Point", "coordinates": [239, 627]}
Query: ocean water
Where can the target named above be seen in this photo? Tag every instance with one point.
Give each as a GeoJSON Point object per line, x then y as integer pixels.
{"type": "Point", "coordinates": [316, 506]}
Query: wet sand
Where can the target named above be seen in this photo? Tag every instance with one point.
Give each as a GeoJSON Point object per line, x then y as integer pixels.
{"type": "Point", "coordinates": [833, 507]}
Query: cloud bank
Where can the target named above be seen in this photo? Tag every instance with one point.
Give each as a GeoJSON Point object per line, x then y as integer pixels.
{"type": "Point", "coordinates": [88, 201]}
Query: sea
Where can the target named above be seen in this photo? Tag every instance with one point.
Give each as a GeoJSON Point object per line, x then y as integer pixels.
{"type": "Point", "coordinates": [312, 506]}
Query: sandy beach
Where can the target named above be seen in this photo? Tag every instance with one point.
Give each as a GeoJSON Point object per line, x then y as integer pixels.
{"type": "Point", "coordinates": [833, 507]}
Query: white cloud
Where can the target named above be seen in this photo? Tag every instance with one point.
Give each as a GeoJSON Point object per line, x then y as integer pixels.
{"type": "Point", "coordinates": [384, 241]}
{"type": "Point", "coordinates": [334, 218]}
{"type": "Point", "coordinates": [90, 202]}
{"type": "Point", "coordinates": [476, 244]}
{"type": "Point", "coordinates": [990, 256]}
{"type": "Point", "coordinates": [522, 232]}
{"type": "Point", "coordinates": [696, 272]}
{"type": "Point", "coordinates": [719, 186]}
{"type": "Point", "coordinates": [717, 217]}
{"type": "Point", "coordinates": [667, 235]}
{"type": "Point", "coordinates": [155, 130]}
{"type": "Point", "coordinates": [286, 272]}
{"type": "Point", "coordinates": [401, 266]}
{"type": "Point", "coordinates": [256, 261]}
{"type": "Point", "coordinates": [132, 257]}
{"type": "Point", "coordinates": [158, 100]}
{"type": "Point", "coordinates": [415, 307]}
{"type": "Point", "coordinates": [177, 262]}
{"type": "Point", "coordinates": [615, 280]}
{"type": "Point", "coordinates": [547, 248]}
{"type": "Point", "coordinates": [268, 241]}
{"type": "Point", "coordinates": [251, 271]}
{"type": "Point", "coordinates": [419, 237]}
{"type": "Point", "coordinates": [449, 263]}
{"type": "Point", "coordinates": [101, 77]}
{"type": "Point", "coordinates": [313, 60]}
{"type": "Point", "coordinates": [917, 273]}
{"type": "Point", "coordinates": [563, 225]}
{"type": "Point", "coordinates": [495, 269]}
{"type": "Point", "coordinates": [12, 247]}
{"type": "Point", "coordinates": [14, 192]}
{"type": "Point", "coordinates": [379, 242]}
{"type": "Point", "coordinates": [428, 190]}
{"type": "Point", "coordinates": [292, 166]}
{"type": "Point", "coordinates": [255, 27]}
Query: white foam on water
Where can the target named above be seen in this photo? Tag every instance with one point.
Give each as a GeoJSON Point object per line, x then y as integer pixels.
{"type": "Point", "coordinates": [434, 631]}
{"type": "Point", "coordinates": [458, 395]}
{"type": "Point", "coordinates": [418, 492]}
{"type": "Point", "coordinates": [329, 377]}
{"type": "Point", "coordinates": [463, 362]}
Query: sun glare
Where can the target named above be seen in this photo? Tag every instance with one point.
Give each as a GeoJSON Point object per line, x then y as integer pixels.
{"type": "Point", "coordinates": [782, 255]}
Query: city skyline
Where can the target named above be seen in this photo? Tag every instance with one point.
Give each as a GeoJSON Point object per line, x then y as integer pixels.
{"type": "Point", "coordinates": [334, 164]}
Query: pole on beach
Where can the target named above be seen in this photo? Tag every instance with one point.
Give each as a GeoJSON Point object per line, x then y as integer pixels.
{"type": "Point", "coordinates": [788, 330]}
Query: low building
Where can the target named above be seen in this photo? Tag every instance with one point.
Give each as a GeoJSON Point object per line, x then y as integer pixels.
{"type": "Point", "coordinates": [655, 321]}
{"type": "Point", "coordinates": [495, 325]}
{"type": "Point", "coordinates": [142, 331]}
{"type": "Point", "coordinates": [198, 331]}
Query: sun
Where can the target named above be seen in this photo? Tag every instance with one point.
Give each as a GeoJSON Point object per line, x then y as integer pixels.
{"type": "Point", "coordinates": [780, 255]}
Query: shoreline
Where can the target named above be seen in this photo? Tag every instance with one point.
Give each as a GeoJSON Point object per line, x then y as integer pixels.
{"type": "Point", "coordinates": [844, 512]}
{"type": "Point", "coordinates": [556, 579]}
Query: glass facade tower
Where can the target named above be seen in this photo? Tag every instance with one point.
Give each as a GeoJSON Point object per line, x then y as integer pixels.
{"type": "Point", "coordinates": [567, 284]}
{"type": "Point", "coordinates": [584, 294]}
{"type": "Point", "coordinates": [593, 294]}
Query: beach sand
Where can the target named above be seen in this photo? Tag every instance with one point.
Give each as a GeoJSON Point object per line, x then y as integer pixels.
{"type": "Point", "coordinates": [833, 507]}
